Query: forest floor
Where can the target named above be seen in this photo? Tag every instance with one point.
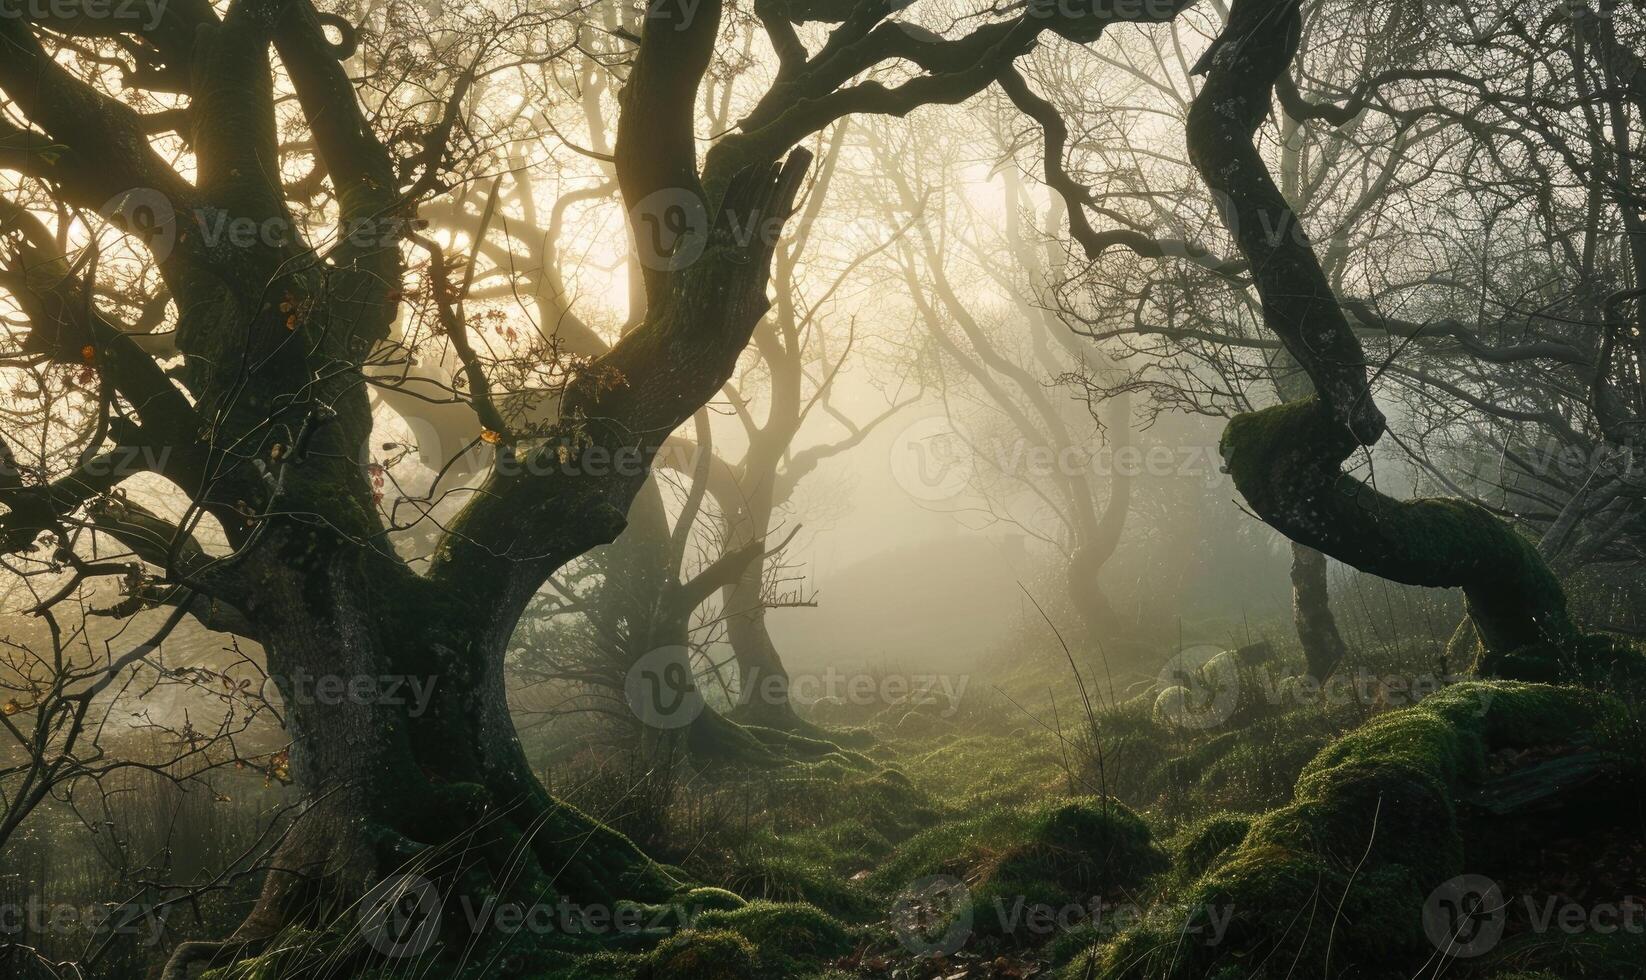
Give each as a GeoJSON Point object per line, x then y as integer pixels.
{"type": "Point", "coordinates": [1095, 833]}
{"type": "Point", "coordinates": [1065, 820]}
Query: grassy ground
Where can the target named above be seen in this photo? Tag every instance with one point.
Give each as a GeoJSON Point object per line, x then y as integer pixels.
{"type": "Point", "coordinates": [1067, 819]}
{"type": "Point", "coordinates": [1019, 835]}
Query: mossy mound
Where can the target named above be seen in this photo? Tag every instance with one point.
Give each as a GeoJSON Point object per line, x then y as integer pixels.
{"type": "Point", "coordinates": [1026, 864]}
{"type": "Point", "coordinates": [1337, 880]}
{"type": "Point", "coordinates": [977, 772]}
{"type": "Point", "coordinates": [787, 935]}
{"type": "Point", "coordinates": [1085, 845]}
{"type": "Point", "coordinates": [1250, 769]}
{"type": "Point", "coordinates": [707, 954]}
{"type": "Point", "coordinates": [799, 868]}
{"type": "Point", "coordinates": [1204, 844]}
{"type": "Point", "coordinates": [712, 900]}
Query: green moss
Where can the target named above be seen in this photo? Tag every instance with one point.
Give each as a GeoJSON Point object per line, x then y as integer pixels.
{"type": "Point", "coordinates": [601, 966]}
{"type": "Point", "coordinates": [787, 935]}
{"type": "Point", "coordinates": [1285, 460]}
{"type": "Point", "coordinates": [1336, 881]}
{"type": "Point", "coordinates": [1250, 769]}
{"type": "Point", "coordinates": [786, 869]}
{"type": "Point", "coordinates": [1054, 857]}
{"type": "Point", "coordinates": [712, 900]}
{"type": "Point", "coordinates": [974, 772]}
{"type": "Point", "coordinates": [951, 848]}
{"type": "Point", "coordinates": [1085, 844]}
{"type": "Point", "coordinates": [702, 955]}
{"type": "Point", "coordinates": [1201, 846]}
{"type": "Point", "coordinates": [922, 724]}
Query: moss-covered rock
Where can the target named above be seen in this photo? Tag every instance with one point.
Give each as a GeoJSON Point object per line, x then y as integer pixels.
{"type": "Point", "coordinates": [1336, 881]}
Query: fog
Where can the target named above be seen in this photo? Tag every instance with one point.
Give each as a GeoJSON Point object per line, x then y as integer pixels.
{"type": "Point", "coordinates": [916, 490]}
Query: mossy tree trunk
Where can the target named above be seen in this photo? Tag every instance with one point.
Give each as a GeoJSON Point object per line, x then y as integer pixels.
{"type": "Point", "coordinates": [1287, 461]}
{"type": "Point", "coordinates": [403, 743]}
{"type": "Point", "coordinates": [442, 787]}
{"type": "Point", "coordinates": [273, 440]}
